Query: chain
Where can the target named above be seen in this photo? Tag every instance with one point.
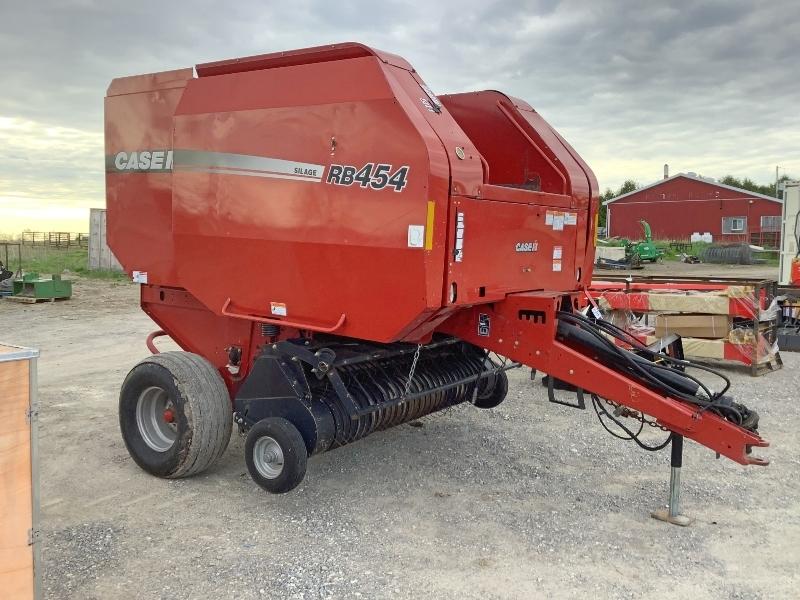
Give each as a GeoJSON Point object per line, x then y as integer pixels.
{"type": "Point", "coordinates": [624, 411]}
{"type": "Point", "coordinates": [411, 372]}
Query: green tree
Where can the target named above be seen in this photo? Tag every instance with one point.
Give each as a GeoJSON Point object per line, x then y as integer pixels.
{"type": "Point", "coordinates": [751, 186]}
{"type": "Point", "coordinates": [628, 186]}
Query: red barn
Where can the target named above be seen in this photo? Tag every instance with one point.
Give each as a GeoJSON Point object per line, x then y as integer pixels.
{"type": "Point", "coordinates": [678, 206]}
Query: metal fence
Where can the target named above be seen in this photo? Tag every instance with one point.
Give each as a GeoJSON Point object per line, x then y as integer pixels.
{"type": "Point", "coordinates": [766, 239]}
{"type": "Point", "coordinates": [55, 239]}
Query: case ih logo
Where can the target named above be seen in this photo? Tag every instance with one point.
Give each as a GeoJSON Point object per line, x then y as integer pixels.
{"type": "Point", "coordinates": [143, 161]}
{"type": "Point", "coordinates": [527, 246]}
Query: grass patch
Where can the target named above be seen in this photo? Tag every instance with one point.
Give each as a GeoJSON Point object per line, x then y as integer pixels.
{"type": "Point", "coordinates": [57, 261]}
{"type": "Point", "coordinates": [673, 254]}
{"type": "Point", "coordinates": [770, 257]}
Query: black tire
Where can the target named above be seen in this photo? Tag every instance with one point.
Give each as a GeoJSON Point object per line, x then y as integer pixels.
{"type": "Point", "coordinates": [200, 412]}
{"type": "Point", "coordinates": [496, 394]}
{"type": "Point", "coordinates": [292, 447]}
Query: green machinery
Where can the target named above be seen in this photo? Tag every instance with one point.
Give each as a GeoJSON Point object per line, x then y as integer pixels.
{"type": "Point", "coordinates": [38, 288]}
{"type": "Point", "coordinates": [644, 250]}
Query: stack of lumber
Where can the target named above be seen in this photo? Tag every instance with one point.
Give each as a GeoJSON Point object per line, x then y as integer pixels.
{"type": "Point", "coordinates": [727, 322]}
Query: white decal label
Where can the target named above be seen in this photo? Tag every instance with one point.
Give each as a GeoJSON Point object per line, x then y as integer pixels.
{"type": "Point", "coordinates": [557, 250]}
{"type": "Point", "coordinates": [571, 218]}
{"type": "Point", "coordinates": [558, 221]}
{"type": "Point", "coordinates": [416, 236]}
{"type": "Point", "coordinates": [278, 309]}
{"type": "Point", "coordinates": [139, 277]}
{"type": "Point", "coordinates": [548, 218]}
{"type": "Point", "coordinates": [484, 325]}
{"type": "Point", "coordinates": [557, 266]}
{"type": "Point", "coordinates": [458, 255]}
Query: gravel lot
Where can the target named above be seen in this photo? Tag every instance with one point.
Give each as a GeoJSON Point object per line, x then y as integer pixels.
{"type": "Point", "coordinates": [527, 500]}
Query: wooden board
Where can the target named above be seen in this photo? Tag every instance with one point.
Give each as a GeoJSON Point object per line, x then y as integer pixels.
{"type": "Point", "coordinates": [100, 255]}
{"type": "Point", "coordinates": [30, 300]}
{"type": "Point", "coordinates": [16, 483]}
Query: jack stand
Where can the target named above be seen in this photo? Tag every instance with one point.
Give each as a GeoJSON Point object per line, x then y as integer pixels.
{"type": "Point", "coordinates": [672, 514]}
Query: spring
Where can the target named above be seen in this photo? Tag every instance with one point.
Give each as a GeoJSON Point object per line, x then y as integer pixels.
{"type": "Point", "coordinates": [268, 330]}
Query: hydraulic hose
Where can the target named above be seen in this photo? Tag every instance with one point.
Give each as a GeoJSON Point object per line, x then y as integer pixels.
{"type": "Point", "coordinates": [667, 376]}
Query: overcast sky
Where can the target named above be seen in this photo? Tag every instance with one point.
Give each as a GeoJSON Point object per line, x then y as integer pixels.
{"type": "Point", "coordinates": [706, 86]}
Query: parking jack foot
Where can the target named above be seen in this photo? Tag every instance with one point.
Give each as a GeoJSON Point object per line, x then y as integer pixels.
{"type": "Point", "coordinates": [672, 513]}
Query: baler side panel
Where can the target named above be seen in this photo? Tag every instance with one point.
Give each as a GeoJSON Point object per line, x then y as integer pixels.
{"type": "Point", "coordinates": [535, 187]}
{"type": "Point", "coordinates": [442, 136]}
{"type": "Point", "coordinates": [196, 329]}
{"type": "Point", "coordinates": [139, 201]}
{"type": "Point", "coordinates": [458, 154]}
{"type": "Point", "coordinates": [464, 159]}
{"type": "Point", "coordinates": [518, 145]}
{"type": "Point", "coordinates": [508, 247]}
{"type": "Point", "coordinates": [314, 248]}
{"type": "Point", "coordinates": [586, 243]}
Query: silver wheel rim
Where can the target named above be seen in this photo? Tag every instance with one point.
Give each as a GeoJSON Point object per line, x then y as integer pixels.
{"type": "Point", "coordinates": [268, 457]}
{"type": "Point", "coordinates": [153, 411]}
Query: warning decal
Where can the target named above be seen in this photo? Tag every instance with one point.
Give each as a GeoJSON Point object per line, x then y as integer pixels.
{"type": "Point", "coordinates": [458, 254]}
{"type": "Point", "coordinates": [278, 309]}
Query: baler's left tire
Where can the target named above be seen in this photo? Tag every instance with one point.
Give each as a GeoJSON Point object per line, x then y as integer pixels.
{"type": "Point", "coordinates": [175, 414]}
{"type": "Point", "coordinates": [276, 455]}
{"type": "Point", "coordinates": [496, 395]}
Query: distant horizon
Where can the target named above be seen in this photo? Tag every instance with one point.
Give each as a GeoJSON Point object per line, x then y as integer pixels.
{"type": "Point", "coordinates": [20, 213]}
{"type": "Point", "coordinates": [44, 217]}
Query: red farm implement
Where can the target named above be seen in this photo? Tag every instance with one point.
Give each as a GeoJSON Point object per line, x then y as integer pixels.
{"type": "Point", "coordinates": [338, 251]}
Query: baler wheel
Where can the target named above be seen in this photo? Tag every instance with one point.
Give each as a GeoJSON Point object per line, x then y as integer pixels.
{"type": "Point", "coordinates": [175, 414]}
{"type": "Point", "coordinates": [497, 393]}
{"type": "Point", "coordinates": [276, 455]}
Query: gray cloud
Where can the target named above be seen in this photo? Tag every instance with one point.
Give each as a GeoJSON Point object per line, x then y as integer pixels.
{"type": "Point", "coordinates": [709, 86]}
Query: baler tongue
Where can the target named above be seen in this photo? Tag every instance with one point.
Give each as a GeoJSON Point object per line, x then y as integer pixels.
{"type": "Point", "coordinates": [531, 328]}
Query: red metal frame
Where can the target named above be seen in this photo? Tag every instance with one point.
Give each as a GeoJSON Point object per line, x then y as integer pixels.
{"type": "Point", "coordinates": [524, 329]}
{"type": "Point", "coordinates": [226, 311]}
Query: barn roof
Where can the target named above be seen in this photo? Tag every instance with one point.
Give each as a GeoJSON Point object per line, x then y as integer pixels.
{"type": "Point", "coordinates": [701, 179]}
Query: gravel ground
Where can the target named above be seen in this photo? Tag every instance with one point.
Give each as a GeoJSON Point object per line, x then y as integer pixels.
{"type": "Point", "coordinates": [526, 500]}
{"type": "Point", "coordinates": [678, 269]}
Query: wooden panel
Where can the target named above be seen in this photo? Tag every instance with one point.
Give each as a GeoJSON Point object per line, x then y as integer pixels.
{"type": "Point", "coordinates": [16, 556]}
{"type": "Point", "coordinates": [100, 255]}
